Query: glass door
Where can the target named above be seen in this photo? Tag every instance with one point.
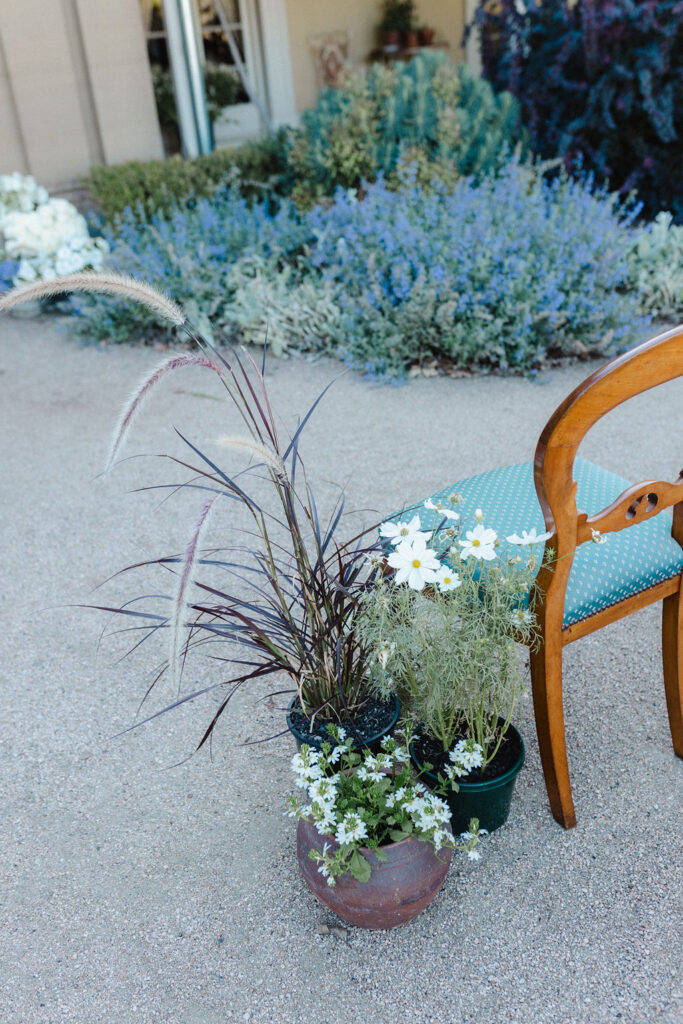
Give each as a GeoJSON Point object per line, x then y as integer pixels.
{"type": "Point", "coordinates": [233, 115]}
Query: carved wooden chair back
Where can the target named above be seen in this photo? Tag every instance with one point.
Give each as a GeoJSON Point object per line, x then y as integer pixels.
{"type": "Point", "coordinates": [644, 367]}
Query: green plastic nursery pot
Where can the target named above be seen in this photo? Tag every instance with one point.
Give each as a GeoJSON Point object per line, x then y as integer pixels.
{"type": "Point", "coordinates": [489, 801]}
{"type": "Point", "coordinates": [366, 739]}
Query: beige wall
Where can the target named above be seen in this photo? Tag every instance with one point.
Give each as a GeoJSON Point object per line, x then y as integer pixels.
{"type": "Point", "coordinates": [75, 87]}
{"type": "Point", "coordinates": [360, 18]}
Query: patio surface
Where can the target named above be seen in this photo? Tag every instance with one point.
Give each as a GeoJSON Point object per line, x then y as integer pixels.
{"type": "Point", "coordinates": [133, 891]}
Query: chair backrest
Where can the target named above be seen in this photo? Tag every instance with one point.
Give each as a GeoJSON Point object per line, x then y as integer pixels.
{"type": "Point", "coordinates": [644, 367]}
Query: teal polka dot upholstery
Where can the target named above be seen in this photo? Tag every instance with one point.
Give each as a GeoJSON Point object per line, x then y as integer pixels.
{"type": "Point", "coordinates": [602, 574]}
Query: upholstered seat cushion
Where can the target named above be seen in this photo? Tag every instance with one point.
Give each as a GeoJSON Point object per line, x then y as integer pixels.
{"type": "Point", "coordinates": [602, 574]}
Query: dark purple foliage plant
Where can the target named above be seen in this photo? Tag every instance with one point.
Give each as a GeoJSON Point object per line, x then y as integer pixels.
{"type": "Point", "coordinates": [600, 83]}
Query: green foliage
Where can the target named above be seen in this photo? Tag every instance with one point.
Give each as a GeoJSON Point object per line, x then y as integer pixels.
{"type": "Point", "coordinates": [223, 89]}
{"type": "Point", "coordinates": [451, 657]}
{"type": "Point", "coordinates": [656, 262]}
{"type": "Point", "coordinates": [380, 116]}
{"type": "Point", "coordinates": [397, 15]}
{"type": "Point", "coordinates": [147, 187]}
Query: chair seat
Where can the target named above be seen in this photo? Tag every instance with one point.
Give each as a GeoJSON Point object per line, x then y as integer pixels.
{"type": "Point", "coordinates": [602, 575]}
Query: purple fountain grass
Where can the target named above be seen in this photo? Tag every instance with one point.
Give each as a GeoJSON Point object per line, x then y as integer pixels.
{"type": "Point", "coordinates": [180, 604]}
{"type": "Point", "coordinates": [133, 405]}
{"type": "Point", "coordinates": [117, 284]}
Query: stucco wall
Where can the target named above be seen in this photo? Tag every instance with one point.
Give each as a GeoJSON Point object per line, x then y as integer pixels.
{"type": "Point", "coordinates": [360, 18]}
{"type": "Point", "coordinates": [75, 87]}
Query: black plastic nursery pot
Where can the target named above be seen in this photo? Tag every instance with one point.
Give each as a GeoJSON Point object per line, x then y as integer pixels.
{"type": "Point", "coordinates": [488, 800]}
{"type": "Point", "coordinates": [375, 720]}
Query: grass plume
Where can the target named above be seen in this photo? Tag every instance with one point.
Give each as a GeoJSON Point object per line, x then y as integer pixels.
{"type": "Point", "coordinates": [135, 402]}
{"type": "Point", "coordinates": [258, 450]}
{"type": "Point", "coordinates": [115, 284]}
{"type": "Point", "coordinates": [180, 603]}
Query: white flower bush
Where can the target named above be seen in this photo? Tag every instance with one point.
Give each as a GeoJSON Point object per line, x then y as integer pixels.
{"type": "Point", "coordinates": [47, 237]}
{"type": "Point", "coordinates": [360, 803]}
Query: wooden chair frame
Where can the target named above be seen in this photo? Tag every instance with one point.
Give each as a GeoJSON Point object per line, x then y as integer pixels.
{"type": "Point", "coordinates": [652, 363]}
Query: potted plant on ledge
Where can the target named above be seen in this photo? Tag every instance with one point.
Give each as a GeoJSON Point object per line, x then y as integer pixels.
{"type": "Point", "coordinates": [443, 628]}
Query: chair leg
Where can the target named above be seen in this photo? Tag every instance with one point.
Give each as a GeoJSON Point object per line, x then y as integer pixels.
{"type": "Point", "coordinates": [546, 681]}
{"type": "Point", "coordinates": [672, 656]}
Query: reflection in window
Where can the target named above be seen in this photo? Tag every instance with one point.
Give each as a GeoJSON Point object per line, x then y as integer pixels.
{"type": "Point", "coordinates": [223, 84]}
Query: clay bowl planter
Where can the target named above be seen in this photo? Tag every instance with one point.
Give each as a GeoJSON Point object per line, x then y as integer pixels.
{"type": "Point", "coordinates": [487, 799]}
{"type": "Point", "coordinates": [399, 887]}
{"type": "Point", "coordinates": [369, 732]}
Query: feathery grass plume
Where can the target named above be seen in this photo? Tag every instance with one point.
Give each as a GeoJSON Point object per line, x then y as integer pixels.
{"type": "Point", "coordinates": [180, 603]}
{"type": "Point", "coordinates": [117, 284]}
{"type": "Point", "coordinates": [259, 451]}
{"type": "Point", "coordinates": [133, 405]}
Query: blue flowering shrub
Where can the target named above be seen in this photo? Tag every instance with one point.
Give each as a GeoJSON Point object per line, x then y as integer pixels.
{"type": "Point", "coordinates": [188, 253]}
{"type": "Point", "coordinates": [507, 273]}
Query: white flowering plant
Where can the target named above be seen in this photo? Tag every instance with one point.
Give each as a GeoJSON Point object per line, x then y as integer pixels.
{"type": "Point", "coordinates": [46, 238]}
{"type": "Point", "coordinates": [364, 802]}
{"type": "Point", "coordinates": [443, 620]}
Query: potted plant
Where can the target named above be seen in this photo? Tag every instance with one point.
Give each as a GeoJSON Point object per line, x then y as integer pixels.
{"type": "Point", "coordinates": [373, 843]}
{"type": "Point", "coordinates": [282, 599]}
{"type": "Point", "coordinates": [443, 627]}
{"type": "Point", "coordinates": [397, 21]}
{"type": "Point", "coordinates": [426, 35]}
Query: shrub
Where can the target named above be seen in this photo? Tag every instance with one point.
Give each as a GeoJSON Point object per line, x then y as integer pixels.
{"type": "Point", "coordinates": [161, 185]}
{"type": "Point", "coordinates": [656, 260]}
{"type": "Point", "coordinates": [602, 81]}
{"type": "Point", "coordinates": [427, 108]}
{"type": "Point", "coordinates": [452, 273]}
{"type": "Point", "coordinates": [188, 254]}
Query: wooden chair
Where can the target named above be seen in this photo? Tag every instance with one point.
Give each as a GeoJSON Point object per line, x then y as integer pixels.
{"type": "Point", "coordinates": [591, 585]}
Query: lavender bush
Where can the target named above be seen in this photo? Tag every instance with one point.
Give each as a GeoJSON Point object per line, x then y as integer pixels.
{"type": "Point", "coordinates": [187, 253]}
{"type": "Point", "coordinates": [505, 273]}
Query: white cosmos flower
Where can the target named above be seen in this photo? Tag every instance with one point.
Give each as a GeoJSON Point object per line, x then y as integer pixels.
{"type": "Point", "coordinates": [446, 579]}
{"type": "Point", "coordinates": [528, 537]}
{"type": "Point", "coordinates": [441, 509]}
{"type": "Point", "coordinates": [479, 543]}
{"type": "Point", "coordinates": [416, 563]}
{"type": "Point", "coordinates": [479, 515]}
{"type": "Point", "coordinates": [399, 532]}
{"type": "Point", "coordinates": [521, 617]}
{"type": "Point", "coordinates": [597, 537]}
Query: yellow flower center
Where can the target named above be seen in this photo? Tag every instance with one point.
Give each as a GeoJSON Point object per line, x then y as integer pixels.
{"type": "Point", "coordinates": [417, 563]}
{"type": "Point", "coordinates": [447, 579]}
{"type": "Point", "coordinates": [475, 543]}
{"type": "Point", "coordinates": [405, 531]}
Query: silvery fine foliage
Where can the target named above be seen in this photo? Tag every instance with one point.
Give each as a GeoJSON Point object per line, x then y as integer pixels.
{"type": "Point", "coordinates": [443, 620]}
{"type": "Point", "coordinates": [45, 238]}
{"type": "Point", "coordinates": [364, 802]}
{"type": "Point", "coordinates": [656, 260]}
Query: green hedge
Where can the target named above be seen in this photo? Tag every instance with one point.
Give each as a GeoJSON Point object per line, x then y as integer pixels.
{"type": "Point", "coordinates": [160, 185]}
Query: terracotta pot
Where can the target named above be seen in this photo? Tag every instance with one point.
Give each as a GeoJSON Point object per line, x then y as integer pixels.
{"type": "Point", "coordinates": [391, 39]}
{"type": "Point", "coordinates": [412, 40]}
{"type": "Point", "coordinates": [426, 36]}
{"type": "Point", "coordinates": [399, 887]}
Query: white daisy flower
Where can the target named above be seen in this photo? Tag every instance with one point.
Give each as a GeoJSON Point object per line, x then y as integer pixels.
{"type": "Point", "coordinates": [473, 854]}
{"type": "Point", "coordinates": [439, 507]}
{"type": "Point", "coordinates": [446, 579]}
{"type": "Point", "coordinates": [397, 533]}
{"type": "Point", "coordinates": [521, 617]}
{"type": "Point", "coordinates": [479, 543]}
{"type": "Point", "coordinates": [528, 537]}
{"type": "Point", "coordinates": [416, 563]}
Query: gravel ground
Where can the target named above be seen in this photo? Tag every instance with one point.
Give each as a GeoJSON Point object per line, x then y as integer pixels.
{"type": "Point", "coordinates": [134, 891]}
